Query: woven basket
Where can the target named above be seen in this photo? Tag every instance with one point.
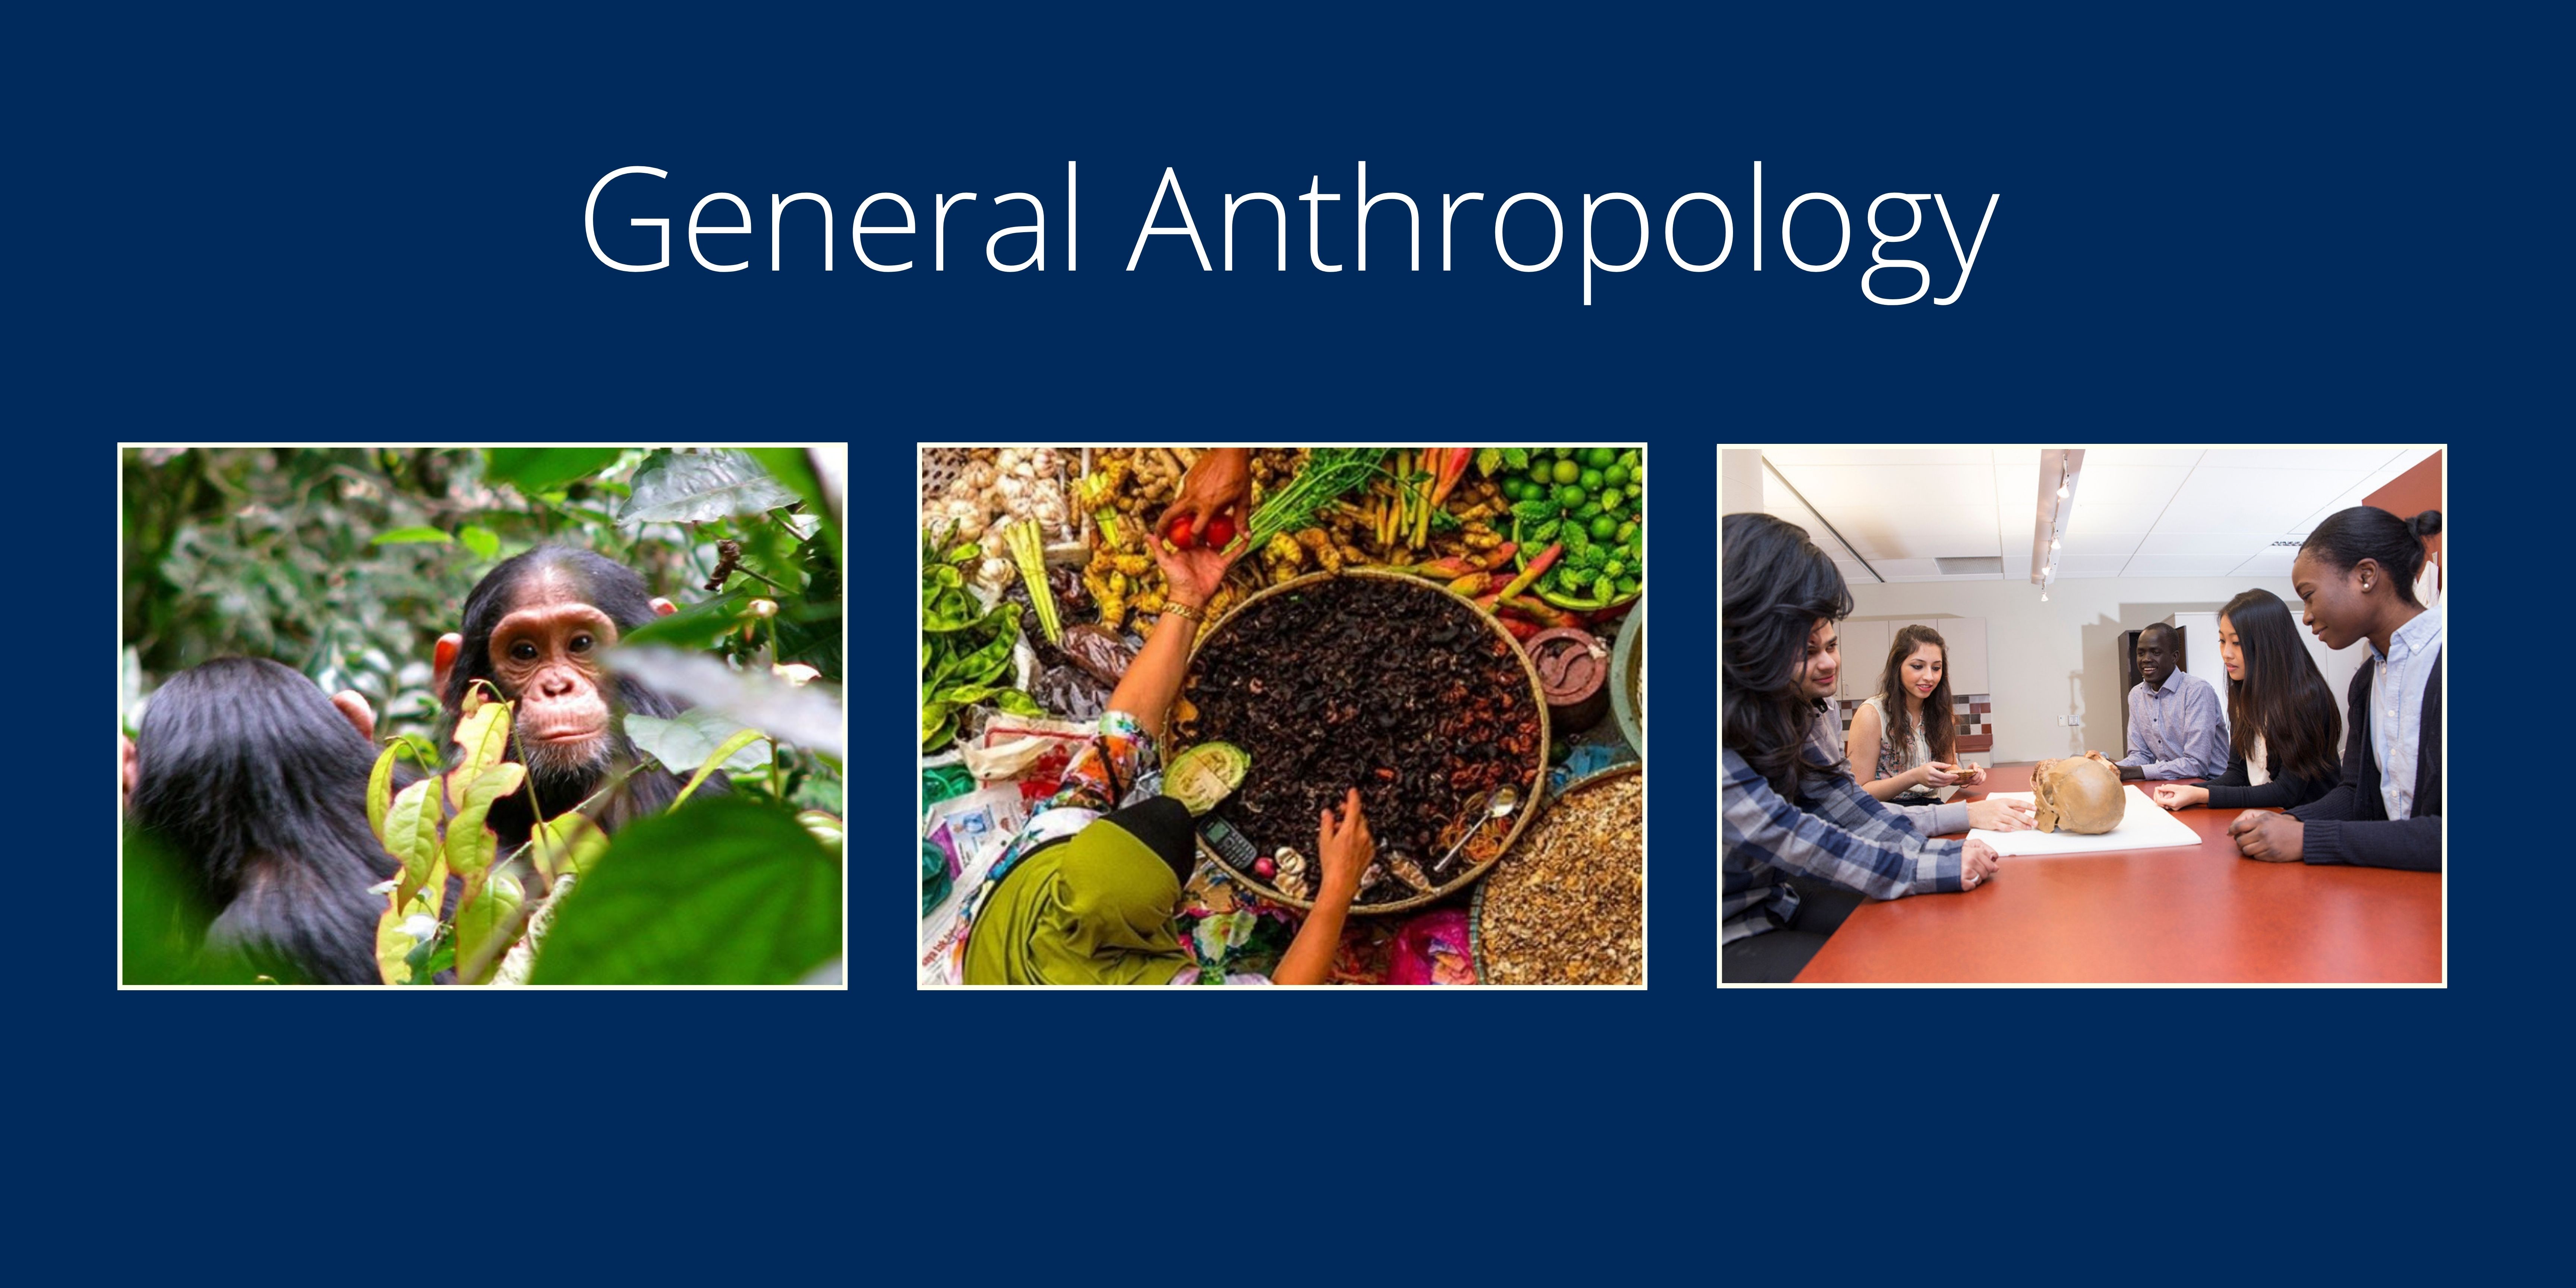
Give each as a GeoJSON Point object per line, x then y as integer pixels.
{"type": "Point", "coordinates": [1537, 784]}
{"type": "Point", "coordinates": [1476, 905]}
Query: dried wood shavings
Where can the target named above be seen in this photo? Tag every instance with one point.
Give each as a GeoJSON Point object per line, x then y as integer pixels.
{"type": "Point", "coordinates": [1568, 905]}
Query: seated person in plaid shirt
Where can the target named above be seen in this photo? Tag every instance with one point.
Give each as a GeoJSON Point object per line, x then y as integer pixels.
{"type": "Point", "coordinates": [1800, 842]}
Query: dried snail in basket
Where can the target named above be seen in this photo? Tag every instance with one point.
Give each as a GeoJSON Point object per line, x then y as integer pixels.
{"type": "Point", "coordinates": [2078, 794]}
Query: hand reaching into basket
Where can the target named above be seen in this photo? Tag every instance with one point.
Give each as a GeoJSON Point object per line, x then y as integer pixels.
{"type": "Point", "coordinates": [1345, 847]}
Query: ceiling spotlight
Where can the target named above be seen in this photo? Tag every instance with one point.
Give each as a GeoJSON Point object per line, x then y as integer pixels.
{"type": "Point", "coordinates": [2061, 489]}
{"type": "Point", "coordinates": [2043, 597]}
{"type": "Point", "coordinates": [2052, 543]}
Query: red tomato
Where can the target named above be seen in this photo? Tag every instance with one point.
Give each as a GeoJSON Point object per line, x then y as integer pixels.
{"type": "Point", "coordinates": [1220, 531]}
{"type": "Point", "coordinates": [1179, 533]}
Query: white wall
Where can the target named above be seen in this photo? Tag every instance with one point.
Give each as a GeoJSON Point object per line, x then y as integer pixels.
{"type": "Point", "coordinates": [2062, 657]}
{"type": "Point", "coordinates": [1739, 482]}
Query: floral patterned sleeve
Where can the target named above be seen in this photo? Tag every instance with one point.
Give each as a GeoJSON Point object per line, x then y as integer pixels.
{"type": "Point", "coordinates": [1103, 774]}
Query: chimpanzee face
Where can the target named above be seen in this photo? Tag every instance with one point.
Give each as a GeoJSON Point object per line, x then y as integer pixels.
{"type": "Point", "coordinates": [546, 657]}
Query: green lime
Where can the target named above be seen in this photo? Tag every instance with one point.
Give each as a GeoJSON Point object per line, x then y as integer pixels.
{"type": "Point", "coordinates": [1542, 478]}
{"type": "Point", "coordinates": [1604, 527]}
{"type": "Point", "coordinates": [1600, 458]}
{"type": "Point", "coordinates": [1568, 471]}
{"type": "Point", "coordinates": [1569, 496]}
{"type": "Point", "coordinates": [1590, 479]}
{"type": "Point", "coordinates": [1616, 474]}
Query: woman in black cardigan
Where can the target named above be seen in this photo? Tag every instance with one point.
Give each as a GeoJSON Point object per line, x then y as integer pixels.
{"type": "Point", "coordinates": [2357, 576]}
{"type": "Point", "coordinates": [2281, 719]}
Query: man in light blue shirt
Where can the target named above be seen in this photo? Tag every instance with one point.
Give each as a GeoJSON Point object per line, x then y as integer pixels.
{"type": "Point", "coordinates": [2177, 725]}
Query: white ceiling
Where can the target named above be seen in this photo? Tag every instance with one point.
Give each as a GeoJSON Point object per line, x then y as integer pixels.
{"type": "Point", "coordinates": [2136, 512]}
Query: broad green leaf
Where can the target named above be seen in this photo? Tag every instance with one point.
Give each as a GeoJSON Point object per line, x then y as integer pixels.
{"type": "Point", "coordinates": [695, 625]}
{"type": "Point", "coordinates": [541, 469]}
{"type": "Point", "coordinates": [568, 844]}
{"type": "Point", "coordinates": [727, 891]}
{"type": "Point", "coordinates": [739, 742]}
{"type": "Point", "coordinates": [380, 792]}
{"type": "Point", "coordinates": [691, 739]}
{"type": "Point", "coordinates": [411, 831]}
{"type": "Point", "coordinates": [470, 845]}
{"type": "Point", "coordinates": [700, 487]}
{"type": "Point", "coordinates": [484, 542]}
{"type": "Point", "coordinates": [792, 468]}
{"type": "Point", "coordinates": [484, 927]}
{"type": "Point", "coordinates": [412, 536]}
{"type": "Point", "coordinates": [485, 736]}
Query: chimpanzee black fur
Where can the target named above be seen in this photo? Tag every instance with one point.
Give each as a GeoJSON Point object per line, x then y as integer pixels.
{"type": "Point", "coordinates": [251, 775]}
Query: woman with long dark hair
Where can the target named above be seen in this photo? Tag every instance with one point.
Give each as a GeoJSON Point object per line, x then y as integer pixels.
{"type": "Point", "coordinates": [1791, 808]}
{"type": "Point", "coordinates": [2356, 575]}
{"type": "Point", "coordinates": [1902, 738]}
{"type": "Point", "coordinates": [2281, 721]}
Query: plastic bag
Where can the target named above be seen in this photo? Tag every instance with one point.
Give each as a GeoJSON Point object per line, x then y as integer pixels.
{"type": "Point", "coordinates": [1098, 650]}
{"type": "Point", "coordinates": [1432, 949]}
{"type": "Point", "coordinates": [1034, 752]}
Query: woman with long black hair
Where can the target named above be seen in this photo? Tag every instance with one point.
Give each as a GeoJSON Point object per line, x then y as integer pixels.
{"type": "Point", "coordinates": [2356, 575]}
{"type": "Point", "coordinates": [2281, 721]}
{"type": "Point", "coordinates": [1791, 807]}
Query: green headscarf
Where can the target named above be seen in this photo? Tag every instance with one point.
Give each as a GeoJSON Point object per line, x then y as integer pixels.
{"type": "Point", "coordinates": [1096, 909]}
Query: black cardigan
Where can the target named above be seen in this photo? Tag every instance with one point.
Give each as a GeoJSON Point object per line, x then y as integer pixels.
{"type": "Point", "coordinates": [2235, 789]}
{"type": "Point", "coordinates": [2350, 823]}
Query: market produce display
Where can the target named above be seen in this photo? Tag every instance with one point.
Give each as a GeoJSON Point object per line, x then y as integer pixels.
{"type": "Point", "coordinates": [965, 648]}
{"type": "Point", "coordinates": [1568, 906]}
{"type": "Point", "coordinates": [995, 488]}
{"type": "Point", "coordinates": [1590, 503]}
{"type": "Point", "coordinates": [1377, 681]}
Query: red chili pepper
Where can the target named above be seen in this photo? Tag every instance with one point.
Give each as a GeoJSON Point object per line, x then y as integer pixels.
{"type": "Point", "coordinates": [1452, 470]}
{"type": "Point", "coordinates": [1537, 568]}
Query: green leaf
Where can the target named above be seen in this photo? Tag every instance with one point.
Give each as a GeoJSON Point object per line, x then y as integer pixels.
{"type": "Point", "coordinates": [1544, 533]}
{"type": "Point", "coordinates": [692, 738]}
{"type": "Point", "coordinates": [484, 542]}
{"type": "Point", "coordinates": [696, 625]}
{"type": "Point", "coordinates": [726, 891]}
{"type": "Point", "coordinates": [470, 845]}
{"type": "Point", "coordinates": [700, 487]}
{"type": "Point", "coordinates": [380, 792]}
{"type": "Point", "coordinates": [740, 742]}
{"type": "Point", "coordinates": [1488, 459]}
{"type": "Point", "coordinates": [411, 536]}
{"type": "Point", "coordinates": [1516, 458]}
{"type": "Point", "coordinates": [484, 927]}
{"type": "Point", "coordinates": [964, 553]}
{"type": "Point", "coordinates": [411, 830]}
{"type": "Point", "coordinates": [395, 942]}
{"type": "Point", "coordinates": [541, 469]}
{"type": "Point", "coordinates": [1534, 511]}
{"type": "Point", "coordinates": [485, 736]}
{"type": "Point", "coordinates": [793, 468]}
{"type": "Point", "coordinates": [568, 843]}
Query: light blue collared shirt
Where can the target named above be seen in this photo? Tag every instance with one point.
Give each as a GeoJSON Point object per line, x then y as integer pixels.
{"type": "Point", "coordinates": [2397, 706]}
{"type": "Point", "coordinates": [2177, 731]}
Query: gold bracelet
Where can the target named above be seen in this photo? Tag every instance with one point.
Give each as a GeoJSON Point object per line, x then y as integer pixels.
{"type": "Point", "coordinates": [1185, 612]}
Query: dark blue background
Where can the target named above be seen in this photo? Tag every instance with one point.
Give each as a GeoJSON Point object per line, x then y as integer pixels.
{"type": "Point", "coordinates": [2214, 226]}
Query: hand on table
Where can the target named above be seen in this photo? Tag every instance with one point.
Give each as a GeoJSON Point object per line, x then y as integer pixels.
{"type": "Point", "coordinates": [2271, 837]}
{"type": "Point", "coordinates": [1977, 864]}
{"type": "Point", "coordinates": [2179, 795]}
{"type": "Point", "coordinates": [1345, 848]}
{"type": "Point", "coordinates": [2001, 816]}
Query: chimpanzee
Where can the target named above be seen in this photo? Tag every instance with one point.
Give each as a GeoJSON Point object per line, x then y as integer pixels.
{"type": "Point", "coordinates": [535, 627]}
{"type": "Point", "coordinates": [258, 783]}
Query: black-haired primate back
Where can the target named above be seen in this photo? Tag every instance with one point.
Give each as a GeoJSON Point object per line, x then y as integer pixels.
{"type": "Point", "coordinates": [535, 627]}
{"type": "Point", "coordinates": [251, 775]}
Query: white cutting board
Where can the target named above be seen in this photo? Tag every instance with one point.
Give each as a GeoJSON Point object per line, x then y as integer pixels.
{"type": "Point", "coordinates": [2144, 825]}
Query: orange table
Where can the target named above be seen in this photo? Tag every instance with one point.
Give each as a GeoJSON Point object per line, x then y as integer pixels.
{"type": "Point", "coordinates": [2177, 915]}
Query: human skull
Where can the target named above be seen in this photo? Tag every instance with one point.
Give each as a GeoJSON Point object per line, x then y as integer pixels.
{"type": "Point", "coordinates": [2079, 794]}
